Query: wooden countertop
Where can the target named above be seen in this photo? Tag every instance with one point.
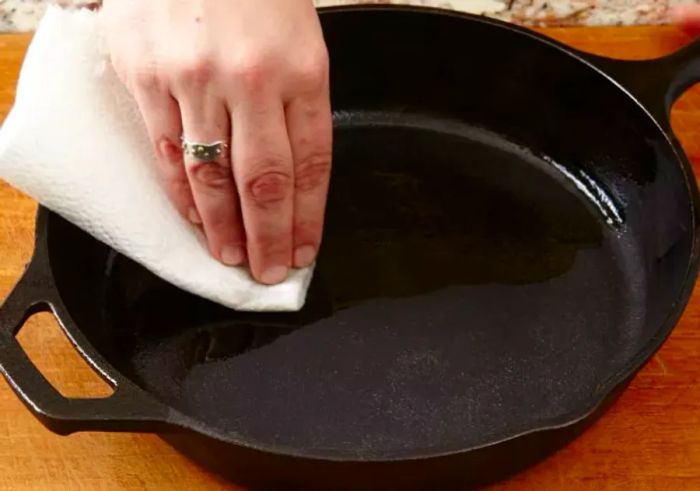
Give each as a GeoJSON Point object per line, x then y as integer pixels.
{"type": "Point", "coordinates": [650, 440]}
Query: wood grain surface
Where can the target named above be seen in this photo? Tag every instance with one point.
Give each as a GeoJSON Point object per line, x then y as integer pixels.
{"type": "Point", "coordinates": [650, 440]}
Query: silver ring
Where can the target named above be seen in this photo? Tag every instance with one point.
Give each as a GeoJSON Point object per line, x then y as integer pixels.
{"type": "Point", "coordinates": [204, 152]}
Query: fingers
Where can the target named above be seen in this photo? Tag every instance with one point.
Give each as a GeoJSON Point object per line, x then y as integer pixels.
{"type": "Point", "coordinates": [688, 17]}
{"type": "Point", "coordinates": [310, 131]}
{"type": "Point", "coordinates": [265, 179]}
{"type": "Point", "coordinates": [205, 120]}
{"type": "Point", "coordinates": [268, 206]}
{"type": "Point", "coordinates": [161, 115]}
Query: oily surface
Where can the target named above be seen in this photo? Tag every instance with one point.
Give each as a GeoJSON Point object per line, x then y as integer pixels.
{"type": "Point", "coordinates": [474, 326]}
{"type": "Point", "coordinates": [649, 440]}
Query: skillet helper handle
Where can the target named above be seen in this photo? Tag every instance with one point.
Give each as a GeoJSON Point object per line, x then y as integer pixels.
{"type": "Point", "coordinates": [683, 71]}
{"type": "Point", "coordinates": [657, 83]}
{"type": "Point", "coordinates": [127, 409]}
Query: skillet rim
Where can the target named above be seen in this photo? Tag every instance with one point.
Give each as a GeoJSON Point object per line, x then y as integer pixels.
{"type": "Point", "coordinates": [608, 389]}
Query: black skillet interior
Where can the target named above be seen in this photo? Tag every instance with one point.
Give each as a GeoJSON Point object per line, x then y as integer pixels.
{"type": "Point", "coordinates": [507, 231]}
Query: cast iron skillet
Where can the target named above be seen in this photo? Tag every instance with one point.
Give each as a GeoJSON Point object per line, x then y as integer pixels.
{"type": "Point", "coordinates": [512, 233]}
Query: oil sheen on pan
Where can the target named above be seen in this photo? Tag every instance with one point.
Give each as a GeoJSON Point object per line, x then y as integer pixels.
{"type": "Point", "coordinates": [463, 279]}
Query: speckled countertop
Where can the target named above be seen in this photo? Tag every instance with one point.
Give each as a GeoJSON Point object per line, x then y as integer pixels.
{"type": "Point", "coordinates": [23, 15]}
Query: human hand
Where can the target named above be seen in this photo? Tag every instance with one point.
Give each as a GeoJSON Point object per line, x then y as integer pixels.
{"type": "Point", "coordinates": [252, 74]}
{"type": "Point", "coordinates": [688, 17]}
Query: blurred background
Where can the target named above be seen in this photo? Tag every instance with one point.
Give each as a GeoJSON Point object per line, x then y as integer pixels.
{"type": "Point", "coordinates": [23, 15]}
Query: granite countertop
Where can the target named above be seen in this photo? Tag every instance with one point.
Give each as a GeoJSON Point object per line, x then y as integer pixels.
{"type": "Point", "coordinates": [23, 15]}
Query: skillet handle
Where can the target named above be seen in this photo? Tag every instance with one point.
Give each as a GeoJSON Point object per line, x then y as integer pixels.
{"type": "Point", "coordinates": [656, 83]}
{"type": "Point", "coordinates": [127, 409]}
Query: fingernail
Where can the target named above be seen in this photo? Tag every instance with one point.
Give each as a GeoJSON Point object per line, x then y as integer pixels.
{"type": "Point", "coordinates": [232, 255]}
{"type": "Point", "coordinates": [194, 217]}
{"type": "Point", "coordinates": [304, 256]}
{"type": "Point", "coordinates": [274, 275]}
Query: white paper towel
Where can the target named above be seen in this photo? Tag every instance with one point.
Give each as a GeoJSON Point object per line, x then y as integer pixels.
{"type": "Point", "coordinates": [75, 142]}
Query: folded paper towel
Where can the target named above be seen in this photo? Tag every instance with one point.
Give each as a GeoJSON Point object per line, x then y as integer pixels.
{"type": "Point", "coordinates": [74, 141]}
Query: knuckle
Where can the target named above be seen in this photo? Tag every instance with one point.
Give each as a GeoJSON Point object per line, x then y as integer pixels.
{"type": "Point", "coordinates": [147, 79]}
{"type": "Point", "coordinates": [197, 72]}
{"type": "Point", "coordinates": [168, 151]}
{"type": "Point", "coordinates": [273, 246]}
{"type": "Point", "coordinates": [218, 222]}
{"type": "Point", "coordinates": [313, 172]}
{"type": "Point", "coordinates": [312, 70]}
{"type": "Point", "coordinates": [252, 73]}
{"type": "Point", "coordinates": [213, 176]}
{"type": "Point", "coordinates": [269, 186]}
{"type": "Point", "coordinates": [270, 242]}
{"type": "Point", "coordinates": [308, 230]}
